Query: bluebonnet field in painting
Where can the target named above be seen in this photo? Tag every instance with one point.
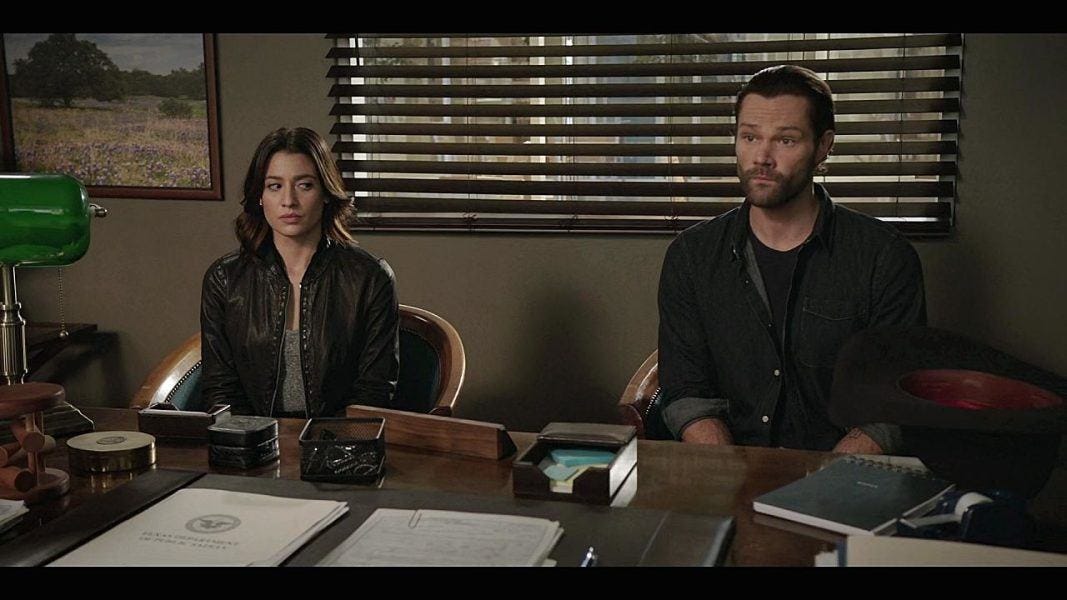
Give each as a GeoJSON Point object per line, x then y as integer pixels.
{"type": "Point", "coordinates": [112, 126]}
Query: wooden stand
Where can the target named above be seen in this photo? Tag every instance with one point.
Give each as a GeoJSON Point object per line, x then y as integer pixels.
{"type": "Point", "coordinates": [440, 434]}
{"type": "Point", "coordinates": [23, 475]}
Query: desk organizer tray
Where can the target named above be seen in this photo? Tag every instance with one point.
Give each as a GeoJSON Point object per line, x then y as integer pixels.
{"type": "Point", "coordinates": [342, 450]}
{"type": "Point", "coordinates": [592, 484]}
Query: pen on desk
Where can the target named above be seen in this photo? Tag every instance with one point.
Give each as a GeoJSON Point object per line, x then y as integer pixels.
{"type": "Point", "coordinates": [590, 558]}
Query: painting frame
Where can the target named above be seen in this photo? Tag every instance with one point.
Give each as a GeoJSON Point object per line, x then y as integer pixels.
{"type": "Point", "coordinates": [211, 192]}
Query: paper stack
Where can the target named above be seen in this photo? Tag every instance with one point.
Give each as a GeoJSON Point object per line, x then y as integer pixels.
{"type": "Point", "coordinates": [868, 551]}
{"type": "Point", "coordinates": [204, 527]}
{"type": "Point", "coordinates": [437, 538]}
{"type": "Point", "coordinates": [11, 512]}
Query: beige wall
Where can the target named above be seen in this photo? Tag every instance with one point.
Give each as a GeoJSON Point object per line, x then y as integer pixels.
{"type": "Point", "coordinates": [1001, 279]}
{"type": "Point", "coordinates": [554, 325]}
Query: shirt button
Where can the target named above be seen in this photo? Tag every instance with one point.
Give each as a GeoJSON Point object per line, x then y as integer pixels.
{"type": "Point", "coordinates": [777, 372]}
{"type": "Point", "coordinates": [765, 418]}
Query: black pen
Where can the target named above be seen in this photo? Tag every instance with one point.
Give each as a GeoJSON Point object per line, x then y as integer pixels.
{"type": "Point", "coordinates": [590, 559]}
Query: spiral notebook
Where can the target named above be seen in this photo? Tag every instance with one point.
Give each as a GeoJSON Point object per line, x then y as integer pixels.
{"type": "Point", "coordinates": [854, 495]}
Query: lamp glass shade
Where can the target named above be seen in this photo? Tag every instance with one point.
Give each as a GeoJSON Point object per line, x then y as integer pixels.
{"type": "Point", "coordinates": [44, 219]}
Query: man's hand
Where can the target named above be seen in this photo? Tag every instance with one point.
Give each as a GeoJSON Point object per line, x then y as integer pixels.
{"type": "Point", "coordinates": [707, 431]}
{"type": "Point", "coordinates": [857, 442]}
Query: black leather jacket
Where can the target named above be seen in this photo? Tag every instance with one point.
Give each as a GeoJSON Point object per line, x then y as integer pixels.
{"type": "Point", "coordinates": [348, 330]}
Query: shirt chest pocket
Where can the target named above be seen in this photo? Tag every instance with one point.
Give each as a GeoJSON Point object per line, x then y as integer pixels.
{"type": "Point", "coordinates": [825, 325]}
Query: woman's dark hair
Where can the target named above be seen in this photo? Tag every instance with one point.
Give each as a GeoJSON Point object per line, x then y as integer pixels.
{"type": "Point", "coordinates": [251, 226]}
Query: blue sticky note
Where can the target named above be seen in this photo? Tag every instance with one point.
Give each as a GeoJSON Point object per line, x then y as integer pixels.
{"type": "Point", "coordinates": [559, 472]}
{"type": "Point", "coordinates": [576, 457]}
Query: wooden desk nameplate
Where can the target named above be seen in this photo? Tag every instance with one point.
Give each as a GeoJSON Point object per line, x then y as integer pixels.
{"type": "Point", "coordinates": [440, 434]}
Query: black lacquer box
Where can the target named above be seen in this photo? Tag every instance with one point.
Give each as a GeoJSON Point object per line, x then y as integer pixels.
{"type": "Point", "coordinates": [243, 442]}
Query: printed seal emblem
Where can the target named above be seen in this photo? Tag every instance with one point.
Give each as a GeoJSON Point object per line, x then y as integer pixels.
{"type": "Point", "coordinates": [111, 440]}
{"type": "Point", "coordinates": [213, 524]}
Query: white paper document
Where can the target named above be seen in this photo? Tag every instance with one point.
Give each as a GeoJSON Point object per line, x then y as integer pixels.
{"type": "Point", "coordinates": [10, 513]}
{"type": "Point", "coordinates": [203, 527]}
{"type": "Point", "coordinates": [876, 551]}
{"type": "Point", "coordinates": [392, 537]}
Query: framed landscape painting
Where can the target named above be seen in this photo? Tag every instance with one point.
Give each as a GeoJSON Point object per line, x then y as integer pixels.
{"type": "Point", "coordinates": [128, 115]}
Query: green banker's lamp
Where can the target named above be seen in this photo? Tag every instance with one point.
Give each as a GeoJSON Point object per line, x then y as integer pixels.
{"type": "Point", "coordinates": [44, 222]}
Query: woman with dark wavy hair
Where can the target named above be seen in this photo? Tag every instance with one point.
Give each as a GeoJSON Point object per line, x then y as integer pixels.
{"type": "Point", "coordinates": [299, 321]}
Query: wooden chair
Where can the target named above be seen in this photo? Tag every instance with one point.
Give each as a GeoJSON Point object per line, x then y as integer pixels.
{"type": "Point", "coordinates": [432, 368]}
{"type": "Point", "coordinates": [176, 379]}
{"type": "Point", "coordinates": [432, 363]}
{"type": "Point", "coordinates": [639, 404]}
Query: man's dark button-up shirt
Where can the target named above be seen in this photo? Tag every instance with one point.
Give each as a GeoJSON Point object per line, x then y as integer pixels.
{"type": "Point", "coordinates": [717, 352]}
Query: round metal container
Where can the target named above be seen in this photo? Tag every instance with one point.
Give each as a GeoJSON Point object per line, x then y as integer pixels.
{"type": "Point", "coordinates": [111, 451]}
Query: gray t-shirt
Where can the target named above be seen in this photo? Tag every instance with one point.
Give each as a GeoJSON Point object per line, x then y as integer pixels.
{"type": "Point", "coordinates": [292, 376]}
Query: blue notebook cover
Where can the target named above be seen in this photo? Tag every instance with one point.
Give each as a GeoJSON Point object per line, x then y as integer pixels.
{"type": "Point", "coordinates": [855, 496]}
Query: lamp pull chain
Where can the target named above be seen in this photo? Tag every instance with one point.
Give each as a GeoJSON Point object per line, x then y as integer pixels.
{"type": "Point", "coordinates": [63, 333]}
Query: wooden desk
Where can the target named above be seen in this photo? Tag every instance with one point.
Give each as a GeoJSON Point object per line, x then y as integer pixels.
{"type": "Point", "coordinates": [669, 475]}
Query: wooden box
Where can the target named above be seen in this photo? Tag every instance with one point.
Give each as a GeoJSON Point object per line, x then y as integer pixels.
{"type": "Point", "coordinates": [180, 424]}
{"type": "Point", "coordinates": [596, 485]}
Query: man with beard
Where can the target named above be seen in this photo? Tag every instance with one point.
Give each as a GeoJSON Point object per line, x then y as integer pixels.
{"type": "Point", "coordinates": [755, 304]}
